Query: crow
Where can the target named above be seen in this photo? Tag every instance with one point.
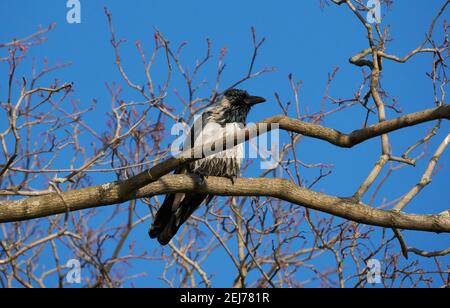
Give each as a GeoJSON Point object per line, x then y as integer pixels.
{"type": "Point", "coordinates": [228, 116]}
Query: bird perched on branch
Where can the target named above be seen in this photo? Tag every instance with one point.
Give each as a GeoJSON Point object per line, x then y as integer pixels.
{"type": "Point", "coordinates": [228, 116]}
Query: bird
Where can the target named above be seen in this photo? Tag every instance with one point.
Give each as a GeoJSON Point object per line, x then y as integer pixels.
{"type": "Point", "coordinates": [227, 116]}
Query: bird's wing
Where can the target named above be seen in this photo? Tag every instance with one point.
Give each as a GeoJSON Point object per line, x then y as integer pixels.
{"type": "Point", "coordinates": [170, 205]}
{"type": "Point", "coordinates": [177, 208]}
{"type": "Point", "coordinates": [180, 210]}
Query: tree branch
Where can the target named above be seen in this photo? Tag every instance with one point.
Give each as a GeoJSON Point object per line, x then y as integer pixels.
{"type": "Point", "coordinates": [138, 186]}
{"type": "Point", "coordinates": [109, 194]}
{"type": "Point", "coordinates": [304, 128]}
{"type": "Point", "coordinates": [358, 136]}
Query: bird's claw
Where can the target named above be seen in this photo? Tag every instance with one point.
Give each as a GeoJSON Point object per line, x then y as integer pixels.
{"type": "Point", "coordinates": [232, 178]}
{"type": "Point", "coordinates": [202, 178]}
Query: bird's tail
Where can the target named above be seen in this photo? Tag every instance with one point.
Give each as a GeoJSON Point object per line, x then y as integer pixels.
{"type": "Point", "coordinates": [176, 209]}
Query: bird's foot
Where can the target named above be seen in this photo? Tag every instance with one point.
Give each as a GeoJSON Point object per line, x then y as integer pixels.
{"type": "Point", "coordinates": [232, 178]}
{"type": "Point", "coordinates": [202, 178]}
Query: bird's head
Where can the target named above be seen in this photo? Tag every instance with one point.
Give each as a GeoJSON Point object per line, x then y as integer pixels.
{"type": "Point", "coordinates": [234, 106]}
{"type": "Point", "coordinates": [238, 97]}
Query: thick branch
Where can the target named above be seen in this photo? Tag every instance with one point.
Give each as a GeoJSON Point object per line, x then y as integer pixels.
{"type": "Point", "coordinates": [307, 129]}
{"type": "Point", "coordinates": [117, 193]}
{"type": "Point", "coordinates": [358, 136]}
{"type": "Point", "coordinates": [108, 194]}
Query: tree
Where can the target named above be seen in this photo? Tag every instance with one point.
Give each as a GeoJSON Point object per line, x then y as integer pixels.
{"type": "Point", "coordinates": [277, 227]}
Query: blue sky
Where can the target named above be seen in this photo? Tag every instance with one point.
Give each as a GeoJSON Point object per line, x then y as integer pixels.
{"type": "Point", "coordinates": [302, 39]}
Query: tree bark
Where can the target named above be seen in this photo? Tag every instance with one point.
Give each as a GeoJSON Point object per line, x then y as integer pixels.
{"type": "Point", "coordinates": [108, 194]}
{"type": "Point", "coordinates": [155, 182]}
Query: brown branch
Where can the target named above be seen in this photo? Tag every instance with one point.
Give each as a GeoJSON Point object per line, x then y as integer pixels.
{"type": "Point", "coordinates": [117, 193]}
{"type": "Point", "coordinates": [421, 48]}
{"type": "Point", "coordinates": [426, 178]}
{"type": "Point", "coordinates": [429, 254]}
{"type": "Point", "coordinates": [31, 39]}
{"type": "Point", "coordinates": [304, 128]}
{"type": "Point", "coordinates": [109, 194]}
{"type": "Point", "coordinates": [358, 136]}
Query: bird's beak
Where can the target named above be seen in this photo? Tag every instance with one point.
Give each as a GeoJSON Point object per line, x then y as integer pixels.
{"type": "Point", "coordinates": [253, 100]}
